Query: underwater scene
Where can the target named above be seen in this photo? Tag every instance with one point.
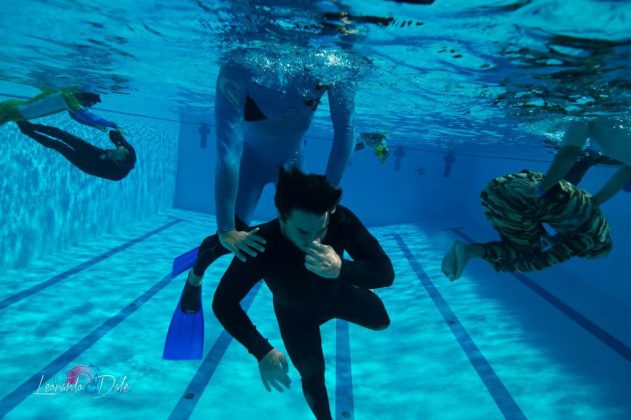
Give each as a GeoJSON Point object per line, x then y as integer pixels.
{"type": "Point", "coordinates": [315, 209]}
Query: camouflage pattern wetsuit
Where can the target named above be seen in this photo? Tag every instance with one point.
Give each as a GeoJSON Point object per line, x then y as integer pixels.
{"type": "Point", "coordinates": [518, 216]}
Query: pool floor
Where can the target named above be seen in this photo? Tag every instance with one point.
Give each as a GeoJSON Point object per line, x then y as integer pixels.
{"type": "Point", "coordinates": [487, 346]}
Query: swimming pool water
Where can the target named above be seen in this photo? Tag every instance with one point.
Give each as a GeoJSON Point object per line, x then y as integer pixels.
{"type": "Point", "coordinates": [452, 350]}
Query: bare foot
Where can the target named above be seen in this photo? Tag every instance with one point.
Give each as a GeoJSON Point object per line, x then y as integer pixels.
{"type": "Point", "coordinates": [455, 260]}
{"type": "Point", "coordinates": [462, 258]}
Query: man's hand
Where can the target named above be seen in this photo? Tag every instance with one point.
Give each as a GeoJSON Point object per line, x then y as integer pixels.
{"type": "Point", "coordinates": [240, 241]}
{"type": "Point", "coordinates": [323, 260]}
{"type": "Point", "coordinates": [273, 368]}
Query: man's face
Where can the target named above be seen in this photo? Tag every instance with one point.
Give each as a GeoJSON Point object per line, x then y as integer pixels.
{"type": "Point", "coordinates": [302, 228]}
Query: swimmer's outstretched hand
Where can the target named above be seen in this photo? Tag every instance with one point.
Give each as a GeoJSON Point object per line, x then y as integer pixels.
{"type": "Point", "coordinates": [239, 242]}
{"type": "Point", "coordinates": [323, 260]}
{"type": "Point", "coordinates": [273, 368]}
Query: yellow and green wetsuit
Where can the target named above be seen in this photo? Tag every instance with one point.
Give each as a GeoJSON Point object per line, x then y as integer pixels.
{"type": "Point", "coordinates": [47, 103]}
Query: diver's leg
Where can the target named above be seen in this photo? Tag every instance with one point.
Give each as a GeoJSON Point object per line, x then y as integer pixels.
{"type": "Point", "coordinates": [209, 251]}
{"type": "Point", "coordinates": [29, 130]}
{"type": "Point", "coordinates": [47, 136]}
{"type": "Point", "coordinates": [301, 336]}
{"type": "Point", "coordinates": [255, 174]}
{"type": "Point", "coordinates": [80, 153]}
{"type": "Point", "coordinates": [513, 215]}
{"type": "Point", "coordinates": [75, 142]}
{"type": "Point", "coordinates": [360, 306]}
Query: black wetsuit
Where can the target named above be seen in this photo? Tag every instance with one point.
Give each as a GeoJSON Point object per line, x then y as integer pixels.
{"type": "Point", "coordinates": [303, 301]}
{"type": "Point", "coordinates": [211, 249]}
{"type": "Point", "coordinates": [88, 158]}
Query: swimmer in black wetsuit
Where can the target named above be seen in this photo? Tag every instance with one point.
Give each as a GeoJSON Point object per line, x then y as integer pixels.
{"type": "Point", "coordinates": [311, 283]}
{"type": "Point", "coordinates": [113, 164]}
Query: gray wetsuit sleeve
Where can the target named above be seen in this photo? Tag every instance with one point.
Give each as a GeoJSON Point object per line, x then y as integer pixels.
{"type": "Point", "coordinates": [230, 100]}
{"type": "Point", "coordinates": [342, 104]}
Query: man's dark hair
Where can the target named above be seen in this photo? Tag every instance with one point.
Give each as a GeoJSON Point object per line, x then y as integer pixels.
{"type": "Point", "coordinates": [306, 192]}
{"type": "Point", "coordinates": [88, 99]}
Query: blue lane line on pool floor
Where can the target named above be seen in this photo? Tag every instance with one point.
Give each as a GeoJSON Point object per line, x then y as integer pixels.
{"type": "Point", "coordinates": [31, 385]}
{"type": "Point", "coordinates": [606, 338]}
{"type": "Point", "coordinates": [504, 400]}
{"type": "Point", "coordinates": [77, 269]}
{"type": "Point", "coordinates": [191, 396]}
{"type": "Point", "coordinates": [344, 406]}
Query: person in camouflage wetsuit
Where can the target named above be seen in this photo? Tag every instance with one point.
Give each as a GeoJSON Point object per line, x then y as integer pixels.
{"type": "Point", "coordinates": [518, 213]}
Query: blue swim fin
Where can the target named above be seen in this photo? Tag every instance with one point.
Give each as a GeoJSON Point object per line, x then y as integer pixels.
{"type": "Point", "coordinates": [183, 262]}
{"type": "Point", "coordinates": [185, 339]}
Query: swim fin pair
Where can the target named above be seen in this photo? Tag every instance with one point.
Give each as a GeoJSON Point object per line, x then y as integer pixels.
{"type": "Point", "coordinates": [185, 338]}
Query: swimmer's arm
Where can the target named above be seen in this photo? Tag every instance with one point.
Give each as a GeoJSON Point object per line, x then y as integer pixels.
{"type": "Point", "coordinates": [73, 103]}
{"type": "Point", "coordinates": [231, 94]}
{"type": "Point", "coordinates": [235, 284]}
{"type": "Point", "coordinates": [371, 267]}
{"type": "Point", "coordinates": [342, 104]}
{"type": "Point", "coordinates": [573, 142]}
{"type": "Point", "coordinates": [82, 115]}
{"type": "Point", "coordinates": [85, 117]}
{"type": "Point", "coordinates": [621, 178]}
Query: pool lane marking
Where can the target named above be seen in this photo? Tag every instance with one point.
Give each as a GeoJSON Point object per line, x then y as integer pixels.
{"type": "Point", "coordinates": [344, 404]}
{"type": "Point", "coordinates": [6, 302]}
{"type": "Point", "coordinates": [193, 392]}
{"type": "Point", "coordinates": [31, 385]}
{"type": "Point", "coordinates": [502, 397]}
{"type": "Point", "coordinates": [344, 383]}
